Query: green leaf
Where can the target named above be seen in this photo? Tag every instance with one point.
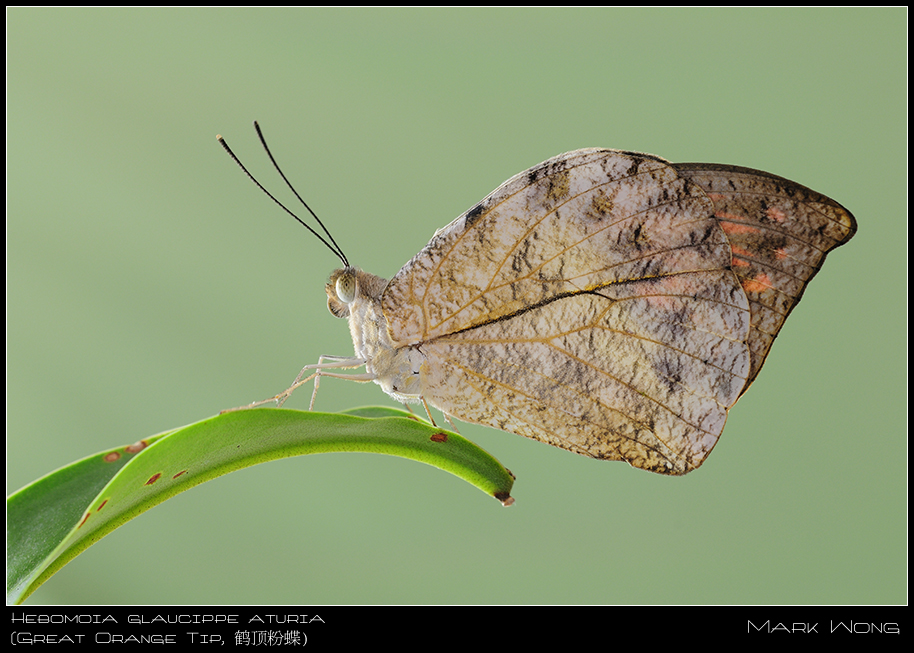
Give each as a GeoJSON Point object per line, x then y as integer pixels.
{"type": "Point", "coordinates": [55, 518]}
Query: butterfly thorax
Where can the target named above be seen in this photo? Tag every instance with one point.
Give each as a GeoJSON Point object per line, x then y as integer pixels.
{"type": "Point", "coordinates": [396, 369]}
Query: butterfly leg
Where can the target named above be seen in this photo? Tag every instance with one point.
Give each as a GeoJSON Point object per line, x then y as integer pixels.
{"type": "Point", "coordinates": [428, 412]}
{"type": "Point", "coordinates": [430, 418]}
{"type": "Point", "coordinates": [335, 362]}
{"type": "Point", "coordinates": [451, 422]}
{"type": "Point", "coordinates": [409, 410]}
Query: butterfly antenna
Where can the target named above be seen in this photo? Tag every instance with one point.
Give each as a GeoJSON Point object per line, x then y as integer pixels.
{"type": "Point", "coordinates": [263, 142]}
{"type": "Point", "coordinates": [334, 247]}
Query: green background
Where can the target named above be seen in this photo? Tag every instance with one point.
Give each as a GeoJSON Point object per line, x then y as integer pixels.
{"type": "Point", "coordinates": [150, 285]}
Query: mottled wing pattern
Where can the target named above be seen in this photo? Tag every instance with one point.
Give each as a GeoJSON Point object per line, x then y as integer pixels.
{"type": "Point", "coordinates": [642, 371]}
{"type": "Point", "coordinates": [588, 303]}
{"type": "Point", "coordinates": [779, 232]}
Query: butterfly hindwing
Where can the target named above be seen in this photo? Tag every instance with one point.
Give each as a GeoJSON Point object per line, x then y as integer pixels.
{"type": "Point", "coordinates": [642, 371]}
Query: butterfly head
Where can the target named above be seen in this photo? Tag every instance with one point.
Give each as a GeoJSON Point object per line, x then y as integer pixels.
{"type": "Point", "coordinates": [342, 289]}
{"type": "Point", "coordinates": [348, 286]}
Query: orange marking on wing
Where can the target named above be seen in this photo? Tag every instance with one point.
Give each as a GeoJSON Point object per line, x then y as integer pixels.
{"type": "Point", "coordinates": [780, 254]}
{"type": "Point", "coordinates": [739, 262]}
{"type": "Point", "coordinates": [760, 283]}
{"type": "Point", "coordinates": [731, 228]}
{"type": "Point", "coordinates": [776, 214]}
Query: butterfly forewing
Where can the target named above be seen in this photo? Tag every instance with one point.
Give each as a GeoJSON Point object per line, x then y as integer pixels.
{"type": "Point", "coordinates": [779, 232]}
{"type": "Point", "coordinates": [576, 222]}
{"type": "Point", "coordinates": [588, 302]}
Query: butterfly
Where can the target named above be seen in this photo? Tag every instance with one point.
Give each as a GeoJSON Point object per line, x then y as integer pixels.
{"type": "Point", "coordinates": [606, 302]}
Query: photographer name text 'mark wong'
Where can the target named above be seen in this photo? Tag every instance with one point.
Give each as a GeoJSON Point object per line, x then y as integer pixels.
{"type": "Point", "coordinates": [833, 627]}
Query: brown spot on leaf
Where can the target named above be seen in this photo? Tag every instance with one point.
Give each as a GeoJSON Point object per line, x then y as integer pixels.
{"type": "Point", "coordinates": [439, 437]}
{"type": "Point", "coordinates": [137, 447]}
{"type": "Point", "coordinates": [84, 520]}
{"type": "Point", "coordinates": [183, 471]}
{"type": "Point", "coordinates": [111, 457]}
{"type": "Point", "coordinates": [101, 505]}
{"type": "Point", "coordinates": [154, 478]}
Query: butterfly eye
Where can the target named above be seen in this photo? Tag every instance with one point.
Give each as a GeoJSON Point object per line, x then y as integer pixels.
{"type": "Point", "coordinates": [345, 287]}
